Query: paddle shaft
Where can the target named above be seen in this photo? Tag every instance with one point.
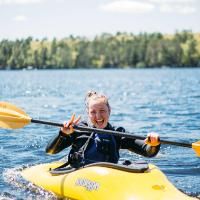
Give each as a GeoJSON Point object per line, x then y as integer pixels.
{"type": "Point", "coordinates": [46, 122]}
{"type": "Point", "coordinates": [115, 133]}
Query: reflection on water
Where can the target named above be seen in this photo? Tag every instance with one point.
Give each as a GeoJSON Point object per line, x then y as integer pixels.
{"type": "Point", "coordinates": [163, 100]}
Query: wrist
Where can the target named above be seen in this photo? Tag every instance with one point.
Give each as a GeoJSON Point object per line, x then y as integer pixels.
{"type": "Point", "coordinates": [62, 133]}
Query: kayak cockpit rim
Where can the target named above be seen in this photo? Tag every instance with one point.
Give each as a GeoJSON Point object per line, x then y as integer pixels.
{"type": "Point", "coordinates": [135, 167]}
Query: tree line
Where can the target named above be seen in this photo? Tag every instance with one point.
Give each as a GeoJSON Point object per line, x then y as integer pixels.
{"type": "Point", "coordinates": [120, 50]}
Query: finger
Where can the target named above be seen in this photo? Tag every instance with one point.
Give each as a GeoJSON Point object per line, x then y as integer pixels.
{"type": "Point", "coordinates": [70, 121]}
{"type": "Point", "coordinates": [152, 139]}
{"type": "Point", "coordinates": [65, 124]}
{"type": "Point", "coordinates": [153, 136]}
{"type": "Point", "coordinates": [71, 129]}
{"type": "Point", "coordinates": [77, 120]}
{"type": "Point", "coordinates": [148, 138]}
{"type": "Point", "coordinates": [72, 118]}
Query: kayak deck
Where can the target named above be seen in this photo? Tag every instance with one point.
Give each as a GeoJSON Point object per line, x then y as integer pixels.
{"type": "Point", "coordinates": [101, 182]}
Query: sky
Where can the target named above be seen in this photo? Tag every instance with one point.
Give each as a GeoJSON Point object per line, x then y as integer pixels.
{"type": "Point", "coordinates": [88, 18]}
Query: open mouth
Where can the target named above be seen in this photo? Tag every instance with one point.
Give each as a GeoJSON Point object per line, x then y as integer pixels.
{"type": "Point", "coordinates": [100, 122]}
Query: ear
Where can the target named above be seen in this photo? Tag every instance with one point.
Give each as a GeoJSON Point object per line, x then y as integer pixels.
{"type": "Point", "coordinates": [87, 110]}
{"type": "Point", "coordinates": [109, 109]}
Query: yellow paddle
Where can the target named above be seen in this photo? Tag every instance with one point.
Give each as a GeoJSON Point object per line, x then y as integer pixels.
{"type": "Point", "coordinates": [12, 117]}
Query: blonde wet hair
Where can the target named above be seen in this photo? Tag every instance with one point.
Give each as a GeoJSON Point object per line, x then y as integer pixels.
{"type": "Point", "coordinates": [93, 95]}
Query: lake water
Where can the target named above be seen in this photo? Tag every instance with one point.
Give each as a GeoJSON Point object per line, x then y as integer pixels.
{"type": "Point", "coordinates": [163, 100]}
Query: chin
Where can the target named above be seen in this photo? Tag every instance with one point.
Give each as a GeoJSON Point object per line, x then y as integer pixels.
{"type": "Point", "coordinates": [102, 126]}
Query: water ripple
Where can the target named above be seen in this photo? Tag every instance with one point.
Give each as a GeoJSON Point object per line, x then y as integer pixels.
{"type": "Point", "coordinates": [163, 100]}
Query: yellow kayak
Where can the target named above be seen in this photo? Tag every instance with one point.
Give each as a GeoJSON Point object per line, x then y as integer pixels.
{"type": "Point", "coordinates": [105, 182]}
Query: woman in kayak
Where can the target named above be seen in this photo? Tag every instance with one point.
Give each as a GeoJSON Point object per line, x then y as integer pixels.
{"type": "Point", "coordinates": [87, 147]}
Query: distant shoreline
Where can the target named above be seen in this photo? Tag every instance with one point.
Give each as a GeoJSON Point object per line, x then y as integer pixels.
{"type": "Point", "coordinates": [129, 68]}
{"type": "Point", "coordinates": [106, 51]}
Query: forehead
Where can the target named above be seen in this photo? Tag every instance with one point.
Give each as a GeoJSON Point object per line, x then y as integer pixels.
{"type": "Point", "coordinates": [99, 102]}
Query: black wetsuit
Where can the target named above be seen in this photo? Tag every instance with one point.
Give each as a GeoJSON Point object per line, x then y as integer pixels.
{"type": "Point", "coordinates": [94, 147]}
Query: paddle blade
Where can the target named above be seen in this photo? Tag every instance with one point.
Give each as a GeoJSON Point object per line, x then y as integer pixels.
{"type": "Point", "coordinates": [9, 122]}
{"type": "Point", "coordinates": [196, 147]}
{"type": "Point", "coordinates": [5, 106]}
{"type": "Point", "coordinates": [12, 117]}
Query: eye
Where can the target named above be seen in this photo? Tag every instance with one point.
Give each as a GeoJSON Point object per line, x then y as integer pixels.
{"type": "Point", "coordinates": [102, 111]}
{"type": "Point", "coordinates": [92, 112]}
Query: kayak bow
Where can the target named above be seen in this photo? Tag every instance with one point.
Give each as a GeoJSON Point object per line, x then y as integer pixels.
{"type": "Point", "coordinates": [101, 182]}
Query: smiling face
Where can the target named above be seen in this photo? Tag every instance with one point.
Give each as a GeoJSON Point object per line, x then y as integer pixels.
{"type": "Point", "coordinates": [98, 112]}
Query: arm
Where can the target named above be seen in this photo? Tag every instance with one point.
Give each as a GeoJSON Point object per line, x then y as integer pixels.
{"type": "Point", "coordinates": [65, 137]}
{"type": "Point", "coordinates": [58, 143]}
{"type": "Point", "coordinates": [139, 147]}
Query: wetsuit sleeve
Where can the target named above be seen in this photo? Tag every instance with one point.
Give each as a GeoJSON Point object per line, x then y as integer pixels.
{"type": "Point", "coordinates": [59, 143]}
{"type": "Point", "coordinates": [138, 146]}
{"type": "Point", "coordinates": [62, 141]}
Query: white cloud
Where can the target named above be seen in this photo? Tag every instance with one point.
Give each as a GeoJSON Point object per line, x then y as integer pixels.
{"type": "Point", "coordinates": [20, 18]}
{"type": "Point", "coordinates": [172, 1]}
{"type": "Point", "coordinates": [177, 9]}
{"type": "Point", "coordinates": [176, 6]}
{"type": "Point", "coordinates": [127, 6]}
{"type": "Point", "coordinates": [10, 2]}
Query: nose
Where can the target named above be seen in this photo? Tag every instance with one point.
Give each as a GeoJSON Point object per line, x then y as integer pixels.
{"type": "Point", "coordinates": [98, 115]}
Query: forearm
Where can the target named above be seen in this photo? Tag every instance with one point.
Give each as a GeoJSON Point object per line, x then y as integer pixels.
{"type": "Point", "coordinates": [58, 143]}
{"type": "Point", "coordinates": [140, 147]}
{"type": "Point", "coordinates": [62, 141]}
